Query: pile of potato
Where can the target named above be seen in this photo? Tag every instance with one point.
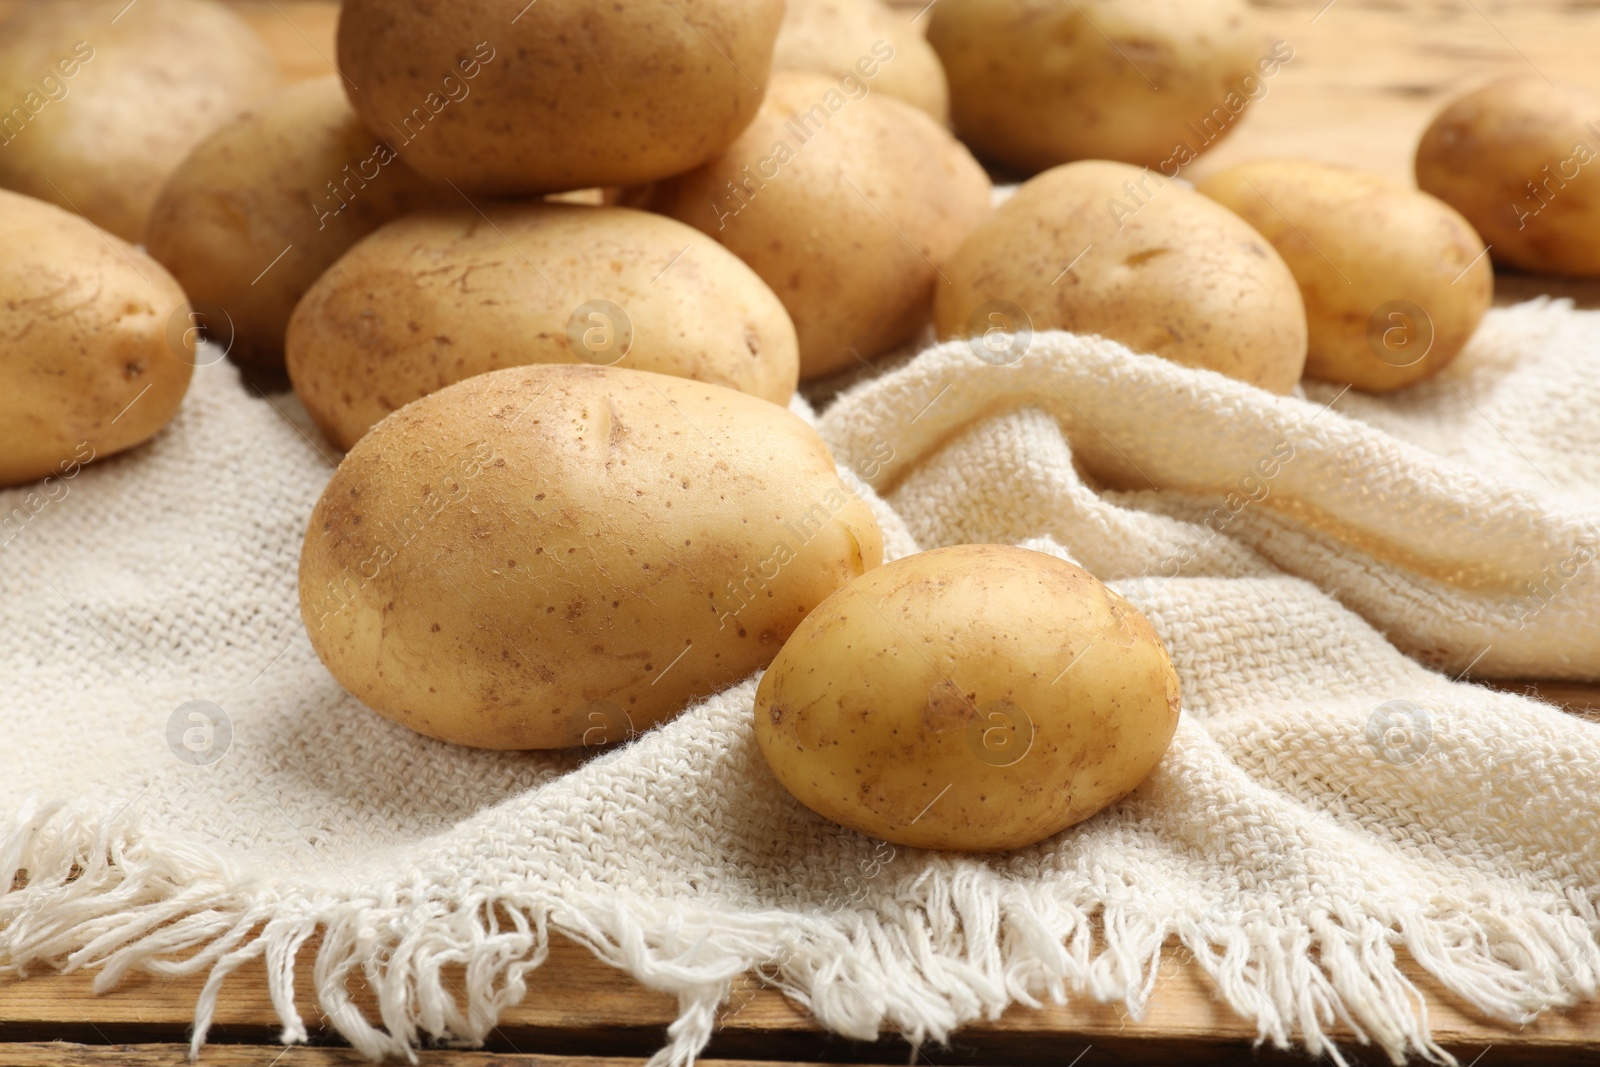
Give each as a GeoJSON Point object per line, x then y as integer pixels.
{"type": "Point", "coordinates": [551, 277]}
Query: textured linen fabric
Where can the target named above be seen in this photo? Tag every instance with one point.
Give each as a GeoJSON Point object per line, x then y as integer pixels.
{"type": "Point", "coordinates": [1320, 568]}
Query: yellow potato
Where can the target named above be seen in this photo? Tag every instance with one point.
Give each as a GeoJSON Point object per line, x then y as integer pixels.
{"type": "Point", "coordinates": [1520, 158]}
{"type": "Point", "coordinates": [267, 202]}
{"type": "Point", "coordinates": [1394, 281]}
{"type": "Point", "coordinates": [1110, 249]}
{"type": "Point", "coordinates": [101, 99]}
{"type": "Point", "coordinates": [1035, 83]}
{"type": "Point", "coordinates": [442, 295]}
{"type": "Point", "coordinates": [844, 201]}
{"type": "Point", "coordinates": [95, 347]}
{"type": "Point", "coordinates": [551, 556]}
{"type": "Point", "coordinates": [979, 697]}
{"type": "Point", "coordinates": [562, 94]}
{"type": "Point", "coordinates": [866, 40]}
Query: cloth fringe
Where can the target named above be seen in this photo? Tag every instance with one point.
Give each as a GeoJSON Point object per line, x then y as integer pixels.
{"type": "Point", "coordinates": [100, 895]}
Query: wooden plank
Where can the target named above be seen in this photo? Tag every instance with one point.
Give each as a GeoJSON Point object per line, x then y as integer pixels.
{"type": "Point", "coordinates": [64, 1054]}
{"type": "Point", "coordinates": [1367, 78]}
{"type": "Point", "coordinates": [576, 1003]}
{"type": "Point", "coordinates": [1574, 698]}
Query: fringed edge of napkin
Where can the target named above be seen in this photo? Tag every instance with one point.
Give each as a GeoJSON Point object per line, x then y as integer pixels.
{"type": "Point", "coordinates": [101, 895]}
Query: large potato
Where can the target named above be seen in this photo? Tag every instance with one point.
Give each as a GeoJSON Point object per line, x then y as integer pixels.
{"type": "Point", "coordinates": [442, 295]}
{"type": "Point", "coordinates": [978, 697]}
{"type": "Point", "coordinates": [267, 202]}
{"type": "Point", "coordinates": [865, 40]}
{"type": "Point", "coordinates": [550, 556]}
{"type": "Point", "coordinates": [106, 97]}
{"type": "Point", "coordinates": [1107, 248]}
{"type": "Point", "coordinates": [1034, 83]}
{"type": "Point", "coordinates": [1520, 158]}
{"type": "Point", "coordinates": [563, 94]}
{"type": "Point", "coordinates": [95, 347]}
{"type": "Point", "coordinates": [844, 203]}
{"type": "Point", "coordinates": [1394, 281]}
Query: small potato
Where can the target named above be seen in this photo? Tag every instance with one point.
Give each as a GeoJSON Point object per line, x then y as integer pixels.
{"type": "Point", "coordinates": [1394, 281]}
{"type": "Point", "coordinates": [979, 697]}
{"type": "Point", "coordinates": [561, 95]}
{"type": "Point", "coordinates": [442, 295]}
{"type": "Point", "coordinates": [1035, 83]}
{"type": "Point", "coordinates": [863, 39]}
{"type": "Point", "coordinates": [551, 556]}
{"type": "Point", "coordinates": [1106, 248]}
{"type": "Point", "coordinates": [844, 201]}
{"type": "Point", "coordinates": [94, 351]}
{"type": "Point", "coordinates": [101, 99]}
{"type": "Point", "coordinates": [267, 202]}
{"type": "Point", "coordinates": [1520, 158]}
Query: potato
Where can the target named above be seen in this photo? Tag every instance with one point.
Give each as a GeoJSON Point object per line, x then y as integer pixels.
{"type": "Point", "coordinates": [1394, 281]}
{"type": "Point", "coordinates": [267, 202]}
{"type": "Point", "coordinates": [95, 347]}
{"type": "Point", "coordinates": [867, 40]}
{"type": "Point", "coordinates": [1520, 158]}
{"type": "Point", "coordinates": [550, 556]}
{"type": "Point", "coordinates": [562, 94]}
{"type": "Point", "coordinates": [844, 201]}
{"type": "Point", "coordinates": [102, 99]}
{"type": "Point", "coordinates": [442, 295]}
{"type": "Point", "coordinates": [1035, 83]}
{"type": "Point", "coordinates": [1107, 248]}
{"type": "Point", "coordinates": [979, 697]}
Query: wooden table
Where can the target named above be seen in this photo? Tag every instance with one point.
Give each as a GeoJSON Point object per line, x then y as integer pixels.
{"type": "Point", "coordinates": [1366, 77]}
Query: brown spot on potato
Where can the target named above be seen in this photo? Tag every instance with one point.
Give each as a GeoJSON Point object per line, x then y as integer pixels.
{"type": "Point", "coordinates": [948, 708]}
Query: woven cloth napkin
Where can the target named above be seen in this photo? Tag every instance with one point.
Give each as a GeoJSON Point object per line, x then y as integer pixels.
{"type": "Point", "coordinates": [188, 789]}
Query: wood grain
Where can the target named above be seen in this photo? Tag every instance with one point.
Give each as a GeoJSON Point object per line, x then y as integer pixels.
{"type": "Point", "coordinates": [63, 1054]}
{"type": "Point", "coordinates": [576, 1004]}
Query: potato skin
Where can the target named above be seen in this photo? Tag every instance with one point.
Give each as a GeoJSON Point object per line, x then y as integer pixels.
{"type": "Point", "coordinates": [522, 558]}
{"type": "Point", "coordinates": [87, 367]}
{"type": "Point", "coordinates": [1036, 83]}
{"type": "Point", "coordinates": [566, 95]}
{"type": "Point", "coordinates": [1154, 265]}
{"type": "Point", "coordinates": [1361, 247]}
{"type": "Point", "coordinates": [441, 295]}
{"type": "Point", "coordinates": [1520, 158]}
{"type": "Point", "coordinates": [846, 224]}
{"type": "Point", "coordinates": [145, 89]}
{"type": "Point", "coordinates": [979, 697]}
{"type": "Point", "coordinates": [296, 175]}
{"type": "Point", "coordinates": [836, 38]}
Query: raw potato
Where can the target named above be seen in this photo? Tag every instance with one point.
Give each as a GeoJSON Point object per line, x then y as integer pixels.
{"type": "Point", "coordinates": [867, 40]}
{"type": "Point", "coordinates": [442, 295]}
{"type": "Point", "coordinates": [1394, 281]}
{"type": "Point", "coordinates": [1034, 83]}
{"type": "Point", "coordinates": [843, 200]}
{"type": "Point", "coordinates": [1107, 248]}
{"type": "Point", "coordinates": [1520, 158]}
{"type": "Point", "coordinates": [979, 697]}
{"type": "Point", "coordinates": [266, 203]}
{"type": "Point", "coordinates": [95, 354]}
{"type": "Point", "coordinates": [97, 113]}
{"type": "Point", "coordinates": [566, 94]}
{"type": "Point", "coordinates": [551, 556]}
